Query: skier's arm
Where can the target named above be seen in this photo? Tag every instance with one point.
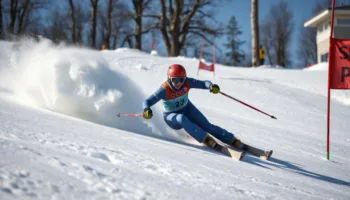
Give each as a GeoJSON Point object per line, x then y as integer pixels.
{"type": "Point", "coordinates": [194, 83]}
{"type": "Point", "coordinates": [154, 98]}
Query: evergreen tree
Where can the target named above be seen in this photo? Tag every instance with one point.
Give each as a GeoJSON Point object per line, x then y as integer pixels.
{"type": "Point", "coordinates": [235, 55]}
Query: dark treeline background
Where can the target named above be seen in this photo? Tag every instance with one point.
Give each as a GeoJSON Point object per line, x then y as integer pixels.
{"type": "Point", "coordinates": [179, 26]}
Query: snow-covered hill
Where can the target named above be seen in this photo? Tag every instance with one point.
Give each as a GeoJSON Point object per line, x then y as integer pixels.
{"type": "Point", "coordinates": [61, 139]}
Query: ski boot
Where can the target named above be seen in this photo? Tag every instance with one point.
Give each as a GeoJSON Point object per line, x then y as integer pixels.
{"type": "Point", "coordinates": [236, 143]}
{"type": "Point", "coordinates": [211, 143]}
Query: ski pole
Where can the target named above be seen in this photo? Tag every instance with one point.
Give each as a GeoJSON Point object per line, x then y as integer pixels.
{"type": "Point", "coordinates": [129, 115]}
{"type": "Point", "coordinates": [226, 95]}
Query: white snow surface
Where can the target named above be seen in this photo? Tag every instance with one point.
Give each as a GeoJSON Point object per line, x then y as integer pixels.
{"type": "Point", "coordinates": [60, 137]}
{"type": "Point", "coordinates": [320, 66]}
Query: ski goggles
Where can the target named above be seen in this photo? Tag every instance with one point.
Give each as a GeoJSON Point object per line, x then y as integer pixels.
{"type": "Point", "coordinates": [177, 80]}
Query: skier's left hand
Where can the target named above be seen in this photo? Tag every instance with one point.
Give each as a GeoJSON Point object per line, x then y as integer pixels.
{"type": "Point", "coordinates": [213, 88]}
{"type": "Point", "coordinates": [147, 113]}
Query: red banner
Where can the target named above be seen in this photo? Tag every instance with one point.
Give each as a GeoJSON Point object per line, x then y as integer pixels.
{"type": "Point", "coordinates": [339, 64]}
{"type": "Point", "coordinates": [206, 67]}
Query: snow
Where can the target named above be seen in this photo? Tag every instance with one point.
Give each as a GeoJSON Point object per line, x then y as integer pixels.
{"type": "Point", "coordinates": [61, 139]}
{"type": "Point", "coordinates": [271, 66]}
{"type": "Point", "coordinates": [154, 53]}
{"type": "Point", "coordinates": [320, 66]}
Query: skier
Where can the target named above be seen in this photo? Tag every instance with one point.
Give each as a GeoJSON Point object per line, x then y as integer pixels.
{"type": "Point", "coordinates": [261, 55]}
{"type": "Point", "coordinates": [180, 113]}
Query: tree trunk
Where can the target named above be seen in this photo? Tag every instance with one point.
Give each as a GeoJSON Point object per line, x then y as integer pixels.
{"type": "Point", "coordinates": [72, 19]}
{"type": "Point", "coordinates": [114, 45]}
{"type": "Point", "coordinates": [175, 28]}
{"type": "Point", "coordinates": [115, 34]}
{"type": "Point", "coordinates": [254, 32]}
{"type": "Point", "coordinates": [175, 25]}
{"type": "Point", "coordinates": [13, 16]}
{"type": "Point", "coordinates": [163, 27]}
{"type": "Point", "coordinates": [93, 27]}
{"type": "Point", "coordinates": [22, 15]}
{"type": "Point", "coordinates": [1, 28]}
{"type": "Point", "coordinates": [109, 24]}
{"type": "Point", "coordinates": [138, 7]}
{"type": "Point", "coordinates": [81, 18]}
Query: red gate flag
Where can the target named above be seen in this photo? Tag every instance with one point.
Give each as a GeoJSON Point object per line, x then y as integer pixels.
{"type": "Point", "coordinates": [206, 67]}
{"type": "Point", "coordinates": [340, 64]}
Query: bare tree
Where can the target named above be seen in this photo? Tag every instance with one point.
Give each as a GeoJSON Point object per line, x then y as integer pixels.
{"type": "Point", "coordinates": [307, 48]}
{"type": "Point", "coordinates": [179, 20]}
{"type": "Point", "coordinates": [22, 14]}
{"type": "Point", "coordinates": [254, 31]}
{"type": "Point", "coordinates": [105, 22]}
{"type": "Point", "coordinates": [193, 47]}
{"type": "Point", "coordinates": [13, 16]}
{"type": "Point", "coordinates": [140, 7]}
{"type": "Point", "coordinates": [57, 28]}
{"type": "Point", "coordinates": [115, 34]}
{"type": "Point", "coordinates": [93, 26]}
{"type": "Point", "coordinates": [307, 45]}
{"type": "Point", "coordinates": [267, 35]}
{"type": "Point", "coordinates": [109, 24]}
{"type": "Point", "coordinates": [72, 19]}
{"type": "Point", "coordinates": [82, 18]}
{"type": "Point", "coordinates": [280, 23]}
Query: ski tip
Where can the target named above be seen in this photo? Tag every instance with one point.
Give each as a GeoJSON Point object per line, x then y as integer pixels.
{"type": "Point", "coordinates": [269, 155]}
{"type": "Point", "coordinates": [118, 114]}
{"type": "Point", "coordinates": [273, 117]}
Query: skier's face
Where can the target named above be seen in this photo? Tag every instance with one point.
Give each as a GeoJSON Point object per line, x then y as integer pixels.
{"type": "Point", "coordinates": [178, 81]}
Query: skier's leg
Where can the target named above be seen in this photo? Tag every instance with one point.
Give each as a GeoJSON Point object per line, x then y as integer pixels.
{"type": "Point", "coordinates": [198, 118]}
{"type": "Point", "coordinates": [177, 121]}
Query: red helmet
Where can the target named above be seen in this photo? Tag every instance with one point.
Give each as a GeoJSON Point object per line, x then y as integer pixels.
{"type": "Point", "coordinates": [176, 70]}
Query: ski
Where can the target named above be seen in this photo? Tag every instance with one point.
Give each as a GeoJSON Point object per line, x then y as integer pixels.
{"type": "Point", "coordinates": [213, 144]}
{"type": "Point", "coordinates": [265, 155]}
{"type": "Point", "coordinates": [237, 155]}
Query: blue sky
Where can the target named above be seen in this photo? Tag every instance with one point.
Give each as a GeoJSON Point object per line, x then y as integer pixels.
{"type": "Point", "coordinates": [302, 10]}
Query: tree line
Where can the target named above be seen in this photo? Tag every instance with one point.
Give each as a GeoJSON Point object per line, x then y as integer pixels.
{"type": "Point", "coordinates": [179, 25]}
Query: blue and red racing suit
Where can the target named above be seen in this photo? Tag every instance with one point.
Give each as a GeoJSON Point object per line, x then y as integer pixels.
{"type": "Point", "coordinates": [179, 112]}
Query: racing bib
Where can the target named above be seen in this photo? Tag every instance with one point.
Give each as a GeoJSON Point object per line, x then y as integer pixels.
{"type": "Point", "coordinates": [175, 101]}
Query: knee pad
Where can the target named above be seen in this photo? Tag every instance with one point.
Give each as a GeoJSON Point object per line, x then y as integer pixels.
{"type": "Point", "coordinates": [181, 118]}
{"type": "Point", "coordinates": [173, 123]}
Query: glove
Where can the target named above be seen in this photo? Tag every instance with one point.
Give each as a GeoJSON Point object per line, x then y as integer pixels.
{"type": "Point", "coordinates": [214, 88]}
{"type": "Point", "coordinates": [147, 113]}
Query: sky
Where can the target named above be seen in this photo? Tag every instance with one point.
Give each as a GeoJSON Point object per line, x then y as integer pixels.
{"type": "Point", "coordinates": [241, 10]}
{"type": "Point", "coordinates": [60, 137]}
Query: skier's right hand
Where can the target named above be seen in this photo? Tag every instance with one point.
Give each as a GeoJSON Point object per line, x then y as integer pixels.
{"type": "Point", "coordinates": [147, 113]}
{"type": "Point", "coordinates": [213, 88]}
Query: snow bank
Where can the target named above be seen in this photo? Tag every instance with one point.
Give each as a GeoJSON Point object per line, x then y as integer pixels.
{"type": "Point", "coordinates": [320, 67]}
{"type": "Point", "coordinates": [271, 67]}
{"type": "Point", "coordinates": [154, 53]}
{"type": "Point", "coordinates": [76, 82]}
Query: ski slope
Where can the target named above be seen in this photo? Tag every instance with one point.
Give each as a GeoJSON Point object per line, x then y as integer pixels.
{"type": "Point", "coordinates": [60, 137]}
